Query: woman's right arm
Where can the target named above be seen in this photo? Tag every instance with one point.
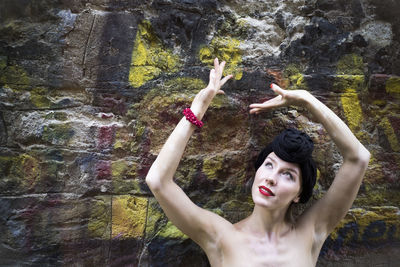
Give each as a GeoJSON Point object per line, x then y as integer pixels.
{"type": "Point", "coordinates": [192, 220]}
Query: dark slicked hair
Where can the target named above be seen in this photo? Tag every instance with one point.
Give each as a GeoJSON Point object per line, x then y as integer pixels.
{"type": "Point", "coordinates": [296, 147]}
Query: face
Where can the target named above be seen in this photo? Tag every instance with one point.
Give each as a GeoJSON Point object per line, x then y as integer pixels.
{"type": "Point", "coordinates": [277, 183]}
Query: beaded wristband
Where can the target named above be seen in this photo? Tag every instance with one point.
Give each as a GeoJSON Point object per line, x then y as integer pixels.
{"type": "Point", "coordinates": [192, 118]}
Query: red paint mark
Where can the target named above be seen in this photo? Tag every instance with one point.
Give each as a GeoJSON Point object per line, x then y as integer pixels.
{"type": "Point", "coordinates": [103, 170]}
{"type": "Point", "coordinates": [114, 104]}
{"type": "Point", "coordinates": [106, 137]}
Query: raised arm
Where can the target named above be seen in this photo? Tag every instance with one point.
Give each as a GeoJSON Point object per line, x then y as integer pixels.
{"type": "Point", "coordinates": [192, 220]}
{"type": "Point", "coordinates": [326, 213]}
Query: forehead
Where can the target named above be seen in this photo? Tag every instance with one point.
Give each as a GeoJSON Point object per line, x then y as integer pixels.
{"type": "Point", "coordinates": [284, 164]}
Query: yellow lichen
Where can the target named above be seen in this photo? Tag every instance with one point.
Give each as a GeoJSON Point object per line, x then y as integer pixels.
{"type": "Point", "coordinates": [149, 57]}
{"type": "Point", "coordinates": [293, 78]}
{"type": "Point", "coordinates": [390, 134]}
{"type": "Point", "coordinates": [393, 85]}
{"type": "Point", "coordinates": [364, 219]}
{"type": "Point", "coordinates": [171, 231]}
{"type": "Point", "coordinates": [352, 109]}
{"type": "Point", "coordinates": [350, 64]}
{"type": "Point", "coordinates": [225, 49]}
{"type": "Point", "coordinates": [128, 217]}
{"type": "Point", "coordinates": [350, 73]}
{"type": "Point", "coordinates": [211, 166]}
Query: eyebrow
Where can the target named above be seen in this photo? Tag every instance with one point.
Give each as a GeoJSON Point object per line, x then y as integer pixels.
{"type": "Point", "coordinates": [288, 169]}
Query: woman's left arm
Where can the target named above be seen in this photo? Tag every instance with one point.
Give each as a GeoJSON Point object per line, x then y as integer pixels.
{"type": "Point", "coordinates": [333, 206]}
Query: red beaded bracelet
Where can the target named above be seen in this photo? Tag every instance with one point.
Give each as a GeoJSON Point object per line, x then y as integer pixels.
{"type": "Point", "coordinates": [192, 118]}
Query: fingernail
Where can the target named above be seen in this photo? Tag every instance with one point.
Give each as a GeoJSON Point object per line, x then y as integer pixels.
{"type": "Point", "coordinates": [271, 85]}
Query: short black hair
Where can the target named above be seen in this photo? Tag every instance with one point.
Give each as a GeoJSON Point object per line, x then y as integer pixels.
{"type": "Point", "coordinates": [294, 146]}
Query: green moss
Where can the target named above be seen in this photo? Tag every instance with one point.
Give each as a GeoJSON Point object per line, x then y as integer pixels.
{"type": "Point", "coordinates": [179, 90]}
{"type": "Point", "coordinates": [350, 64]}
{"type": "Point", "coordinates": [57, 133]}
{"type": "Point", "coordinates": [100, 218]}
{"type": "Point", "coordinates": [225, 49]}
{"type": "Point", "coordinates": [393, 85]}
{"type": "Point", "coordinates": [3, 62]}
{"type": "Point", "coordinates": [39, 99]}
{"type": "Point", "coordinates": [123, 177]}
{"type": "Point", "coordinates": [149, 57]}
{"type": "Point", "coordinates": [119, 168]}
{"type": "Point", "coordinates": [22, 171]}
{"type": "Point", "coordinates": [345, 82]}
{"type": "Point", "coordinates": [60, 116]}
{"type": "Point", "coordinates": [15, 77]}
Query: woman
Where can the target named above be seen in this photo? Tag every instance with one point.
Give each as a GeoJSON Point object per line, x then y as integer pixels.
{"type": "Point", "coordinates": [266, 237]}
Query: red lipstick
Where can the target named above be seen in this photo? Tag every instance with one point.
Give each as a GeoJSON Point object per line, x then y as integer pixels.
{"type": "Point", "coordinates": [265, 191]}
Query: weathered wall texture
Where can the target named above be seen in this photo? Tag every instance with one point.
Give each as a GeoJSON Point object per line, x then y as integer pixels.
{"type": "Point", "coordinates": [90, 90]}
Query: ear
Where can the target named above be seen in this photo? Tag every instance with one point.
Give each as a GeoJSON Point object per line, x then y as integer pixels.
{"type": "Point", "coordinates": [297, 199]}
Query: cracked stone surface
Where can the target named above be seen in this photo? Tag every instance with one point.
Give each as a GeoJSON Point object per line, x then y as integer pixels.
{"type": "Point", "coordinates": [90, 90]}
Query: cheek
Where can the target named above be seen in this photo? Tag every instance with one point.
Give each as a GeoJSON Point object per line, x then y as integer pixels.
{"type": "Point", "coordinates": [290, 188]}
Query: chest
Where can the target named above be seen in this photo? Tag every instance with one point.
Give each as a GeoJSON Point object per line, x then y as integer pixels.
{"type": "Point", "coordinates": [242, 250]}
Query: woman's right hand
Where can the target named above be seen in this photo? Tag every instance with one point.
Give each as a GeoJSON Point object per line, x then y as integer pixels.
{"type": "Point", "coordinates": [203, 99]}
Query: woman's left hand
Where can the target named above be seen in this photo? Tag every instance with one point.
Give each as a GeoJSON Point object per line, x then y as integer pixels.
{"type": "Point", "coordinates": [284, 98]}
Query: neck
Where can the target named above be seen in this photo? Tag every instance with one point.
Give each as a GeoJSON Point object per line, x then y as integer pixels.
{"type": "Point", "coordinates": [267, 223]}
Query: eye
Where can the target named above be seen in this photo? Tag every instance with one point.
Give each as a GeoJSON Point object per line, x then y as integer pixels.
{"type": "Point", "coordinates": [268, 164]}
{"type": "Point", "coordinates": [289, 175]}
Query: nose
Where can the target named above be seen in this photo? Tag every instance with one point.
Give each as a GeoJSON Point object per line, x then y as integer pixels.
{"type": "Point", "coordinates": [270, 180]}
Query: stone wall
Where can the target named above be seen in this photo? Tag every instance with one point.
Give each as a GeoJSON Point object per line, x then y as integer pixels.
{"type": "Point", "coordinates": [90, 90]}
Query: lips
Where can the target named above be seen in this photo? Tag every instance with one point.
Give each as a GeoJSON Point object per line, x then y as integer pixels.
{"type": "Point", "coordinates": [265, 191]}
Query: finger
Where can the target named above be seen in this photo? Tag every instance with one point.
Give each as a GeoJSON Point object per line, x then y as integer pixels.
{"type": "Point", "coordinates": [221, 67]}
{"type": "Point", "coordinates": [225, 79]}
{"type": "Point", "coordinates": [220, 92]}
{"type": "Point", "coordinates": [212, 74]}
{"type": "Point", "coordinates": [256, 106]}
{"type": "Point", "coordinates": [216, 63]}
{"type": "Point", "coordinates": [254, 111]}
{"type": "Point", "coordinates": [277, 89]}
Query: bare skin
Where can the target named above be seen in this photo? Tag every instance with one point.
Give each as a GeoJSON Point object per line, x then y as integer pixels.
{"type": "Point", "coordinates": [264, 238]}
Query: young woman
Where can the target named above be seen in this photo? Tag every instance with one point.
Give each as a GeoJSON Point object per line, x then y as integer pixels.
{"type": "Point", "coordinates": [266, 237]}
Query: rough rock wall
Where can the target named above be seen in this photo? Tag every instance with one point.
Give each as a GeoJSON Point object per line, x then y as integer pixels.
{"type": "Point", "coordinates": [90, 90]}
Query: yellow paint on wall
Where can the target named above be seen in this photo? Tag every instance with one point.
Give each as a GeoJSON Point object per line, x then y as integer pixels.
{"type": "Point", "coordinates": [225, 49]}
{"type": "Point", "coordinates": [128, 216]}
{"type": "Point", "coordinates": [390, 134]}
{"type": "Point", "coordinates": [149, 57]}
{"type": "Point", "coordinates": [352, 109]}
